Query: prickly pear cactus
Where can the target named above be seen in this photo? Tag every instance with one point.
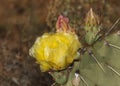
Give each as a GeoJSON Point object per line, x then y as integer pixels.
{"type": "Point", "coordinates": [98, 63]}
{"type": "Point", "coordinates": [100, 66]}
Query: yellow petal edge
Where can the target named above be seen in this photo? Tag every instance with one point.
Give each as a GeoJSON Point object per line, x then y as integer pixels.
{"type": "Point", "coordinates": [55, 51]}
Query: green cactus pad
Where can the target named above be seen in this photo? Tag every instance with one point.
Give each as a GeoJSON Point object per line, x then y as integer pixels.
{"type": "Point", "coordinates": [60, 77]}
{"type": "Point", "coordinates": [91, 73]}
{"type": "Point", "coordinates": [109, 57]}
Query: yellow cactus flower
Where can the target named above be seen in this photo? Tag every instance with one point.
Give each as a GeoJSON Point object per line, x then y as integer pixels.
{"type": "Point", "coordinates": [56, 51]}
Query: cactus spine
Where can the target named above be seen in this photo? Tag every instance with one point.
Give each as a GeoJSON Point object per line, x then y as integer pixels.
{"type": "Point", "coordinates": [99, 65]}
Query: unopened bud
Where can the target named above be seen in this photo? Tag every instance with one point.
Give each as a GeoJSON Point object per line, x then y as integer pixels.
{"type": "Point", "coordinates": [92, 27]}
{"type": "Point", "coordinates": [91, 19]}
{"type": "Point", "coordinates": [63, 25]}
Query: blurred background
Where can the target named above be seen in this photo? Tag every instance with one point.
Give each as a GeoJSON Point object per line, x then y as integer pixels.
{"type": "Point", "coordinates": [21, 21]}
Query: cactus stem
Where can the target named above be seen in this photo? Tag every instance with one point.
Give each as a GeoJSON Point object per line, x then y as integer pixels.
{"type": "Point", "coordinates": [113, 70]}
{"type": "Point", "coordinates": [84, 80]}
{"type": "Point", "coordinates": [92, 55]}
{"type": "Point", "coordinates": [112, 27]}
{"type": "Point", "coordinates": [112, 45]}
